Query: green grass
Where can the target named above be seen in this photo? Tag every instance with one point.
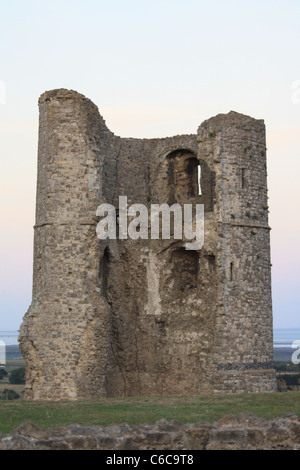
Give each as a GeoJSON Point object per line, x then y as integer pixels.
{"type": "Point", "coordinates": [145, 409]}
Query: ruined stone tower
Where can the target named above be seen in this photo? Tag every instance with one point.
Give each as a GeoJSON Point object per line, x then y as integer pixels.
{"type": "Point", "coordinates": [147, 317]}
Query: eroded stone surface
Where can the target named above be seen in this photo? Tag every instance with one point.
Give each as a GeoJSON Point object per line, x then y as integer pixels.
{"type": "Point", "coordinates": [240, 432]}
{"type": "Point", "coordinates": [148, 317]}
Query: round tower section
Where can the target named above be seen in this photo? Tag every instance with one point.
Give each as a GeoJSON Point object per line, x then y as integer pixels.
{"type": "Point", "coordinates": [243, 348]}
{"type": "Point", "coordinates": [63, 337]}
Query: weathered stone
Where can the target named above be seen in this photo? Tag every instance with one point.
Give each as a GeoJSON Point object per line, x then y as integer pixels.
{"type": "Point", "coordinates": [247, 432]}
{"type": "Point", "coordinates": [146, 316]}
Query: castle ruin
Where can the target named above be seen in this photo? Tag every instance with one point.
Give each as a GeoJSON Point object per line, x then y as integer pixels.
{"type": "Point", "coordinates": [131, 317]}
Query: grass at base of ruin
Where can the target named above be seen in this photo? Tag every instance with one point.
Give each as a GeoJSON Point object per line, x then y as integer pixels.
{"type": "Point", "coordinates": [145, 409]}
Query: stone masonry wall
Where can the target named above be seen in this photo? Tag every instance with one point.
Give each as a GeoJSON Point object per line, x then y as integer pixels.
{"type": "Point", "coordinates": [232, 432]}
{"type": "Point", "coordinates": [146, 316]}
{"type": "Point", "coordinates": [64, 340]}
{"type": "Point", "coordinates": [243, 346]}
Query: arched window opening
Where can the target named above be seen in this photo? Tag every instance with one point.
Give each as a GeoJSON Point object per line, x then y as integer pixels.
{"type": "Point", "coordinates": [184, 175]}
{"type": "Point", "coordinates": [190, 178]}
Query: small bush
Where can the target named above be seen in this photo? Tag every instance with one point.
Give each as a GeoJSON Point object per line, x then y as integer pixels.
{"type": "Point", "coordinates": [8, 394]}
{"type": "Point", "coordinates": [17, 376]}
{"type": "Point", "coordinates": [290, 379]}
{"type": "Point", "coordinates": [3, 373]}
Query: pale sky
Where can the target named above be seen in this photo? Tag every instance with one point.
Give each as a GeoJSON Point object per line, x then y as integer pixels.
{"type": "Point", "coordinates": [154, 69]}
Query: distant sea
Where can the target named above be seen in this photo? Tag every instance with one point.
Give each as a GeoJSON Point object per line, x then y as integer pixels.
{"type": "Point", "coordinates": [10, 337]}
{"type": "Point", "coordinates": [282, 337]}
